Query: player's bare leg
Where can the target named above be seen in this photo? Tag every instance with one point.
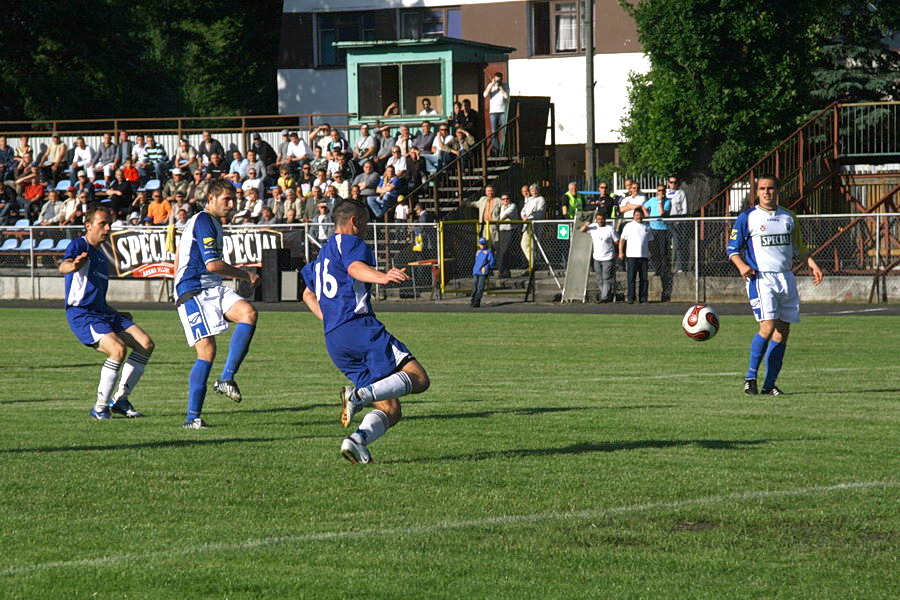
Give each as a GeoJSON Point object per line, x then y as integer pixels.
{"type": "Point", "coordinates": [206, 354]}
{"type": "Point", "coordinates": [141, 348]}
{"type": "Point", "coordinates": [244, 315]}
{"type": "Point", "coordinates": [114, 349]}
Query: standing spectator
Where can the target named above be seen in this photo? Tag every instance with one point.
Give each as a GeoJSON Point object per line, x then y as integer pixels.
{"type": "Point", "coordinates": [186, 158]}
{"type": "Point", "coordinates": [488, 207]}
{"type": "Point", "coordinates": [124, 150]}
{"type": "Point", "coordinates": [634, 200]}
{"type": "Point", "coordinates": [364, 148]}
{"type": "Point", "coordinates": [53, 160]}
{"type": "Point", "coordinates": [605, 245]}
{"type": "Point", "coordinates": [82, 160]}
{"type": "Point", "coordinates": [177, 184]}
{"type": "Point", "coordinates": [387, 192]}
{"type": "Point", "coordinates": [155, 158]}
{"type": "Point", "coordinates": [424, 236]}
{"type": "Point", "coordinates": [534, 208]}
{"type": "Point", "coordinates": [159, 209]}
{"type": "Point", "coordinates": [484, 264]}
{"type": "Point", "coordinates": [208, 147]}
{"type": "Point", "coordinates": [660, 255]}
{"type": "Point", "coordinates": [603, 202]}
{"type": "Point", "coordinates": [7, 161]}
{"type": "Point", "coordinates": [265, 153]}
{"type": "Point", "coordinates": [497, 93]}
{"type": "Point", "coordinates": [51, 212]}
{"type": "Point", "coordinates": [120, 192]}
{"type": "Point", "coordinates": [572, 201]}
{"type": "Point", "coordinates": [634, 249]}
{"type": "Point", "coordinates": [106, 157]}
{"type": "Point", "coordinates": [367, 180]}
{"type": "Point", "coordinates": [507, 233]}
{"type": "Point", "coordinates": [681, 230]}
{"type": "Point", "coordinates": [298, 152]}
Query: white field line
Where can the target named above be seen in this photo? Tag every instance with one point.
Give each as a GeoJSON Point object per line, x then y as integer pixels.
{"type": "Point", "coordinates": [508, 520]}
{"type": "Point", "coordinates": [845, 312]}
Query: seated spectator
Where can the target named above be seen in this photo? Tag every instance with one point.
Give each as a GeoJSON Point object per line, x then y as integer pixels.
{"type": "Point", "coordinates": [425, 143]}
{"type": "Point", "coordinates": [398, 161]}
{"type": "Point", "coordinates": [216, 168]}
{"type": "Point", "coordinates": [309, 205]}
{"type": "Point", "coordinates": [459, 146]}
{"type": "Point", "coordinates": [337, 143]}
{"type": "Point", "coordinates": [208, 147]}
{"type": "Point", "coordinates": [235, 179]}
{"type": "Point", "coordinates": [180, 203]}
{"type": "Point", "coordinates": [322, 224]}
{"type": "Point", "coordinates": [239, 164]}
{"type": "Point", "coordinates": [82, 184]}
{"type": "Point", "coordinates": [267, 217]}
{"type": "Point", "coordinates": [439, 149]}
{"type": "Point", "coordinates": [404, 141]}
{"type": "Point", "coordinates": [264, 152]}
{"type": "Point", "coordinates": [286, 181]}
{"type": "Point", "coordinates": [365, 146]}
{"type": "Point", "coordinates": [181, 220]}
{"type": "Point", "coordinates": [53, 161]}
{"type": "Point", "coordinates": [7, 161]}
{"type": "Point", "coordinates": [290, 217]}
{"type": "Point", "coordinates": [341, 185]}
{"type": "Point", "coordinates": [23, 165]}
{"type": "Point", "coordinates": [119, 222]}
{"type": "Point", "coordinates": [368, 180]}
{"type": "Point", "coordinates": [70, 208]}
{"type": "Point", "coordinates": [131, 173]}
{"type": "Point", "coordinates": [416, 169]}
{"type": "Point", "coordinates": [240, 199]}
{"type": "Point", "coordinates": [282, 159]}
{"type": "Point", "coordinates": [33, 187]}
{"type": "Point", "coordinates": [141, 204]}
{"type": "Point", "coordinates": [334, 163]}
{"type": "Point", "coordinates": [276, 202]}
{"type": "Point", "coordinates": [321, 181]}
{"type": "Point", "coordinates": [51, 211]}
{"type": "Point", "coordinates": [120, 191]}
{"type": "Point", "coordinates": [134, 219]}
{"type": "Point", "coordinates": [468, 118]}
{"type": "Point", "coordinates": [356, 196]}
{"type": "Point", "coordinates": [23, 157]}
{"type": "Point", "coordinates": [385, 145]}
{"type": "Point", "coordinates": [388, 191]}
{"type": "Point", "coordinates": [257, 165]}
{"type": "Point", "coordinates": [196, 193]}
{"type": "Point", "coordinates": [347, 166]}
{"type": "Point", "coordinates": [254, 181]}
{"type": "Point", "coordinates": [158, 211]}
{"type": "Point", "coordinates": [319, 161]}
{"type": "Point", "coordinates": [186, 158]}
{"type": "Point", "coordinates": [392, 109]}
{"type": "Point", "coordinates": [137, 150]}
{"type": "Point", "coordinates": [292, 202]}
{"type": "Point", "coordinates": [298, 151]}
{"type": "Point", "coordinates": [332, 199]}
{"type": "Point", "coordinates": [156, 161]}
{"type": "Point", "coordinates": [304, 179]}
{"type": "Point", "coordinates": [427, 110]}
{"type": "Point", "coordinates": [106, 158]}
{"type": "Point", "coordinates": [177, 184]}
{"type": "Point", "coordinates": [82, 160]}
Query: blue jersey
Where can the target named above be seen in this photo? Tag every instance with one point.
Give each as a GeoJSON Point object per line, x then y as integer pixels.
{"type": "Point", "coordinates": [769, 240]}
{"type": "Point", "coordinates": [341, 297]}
{"type": "Point", "coordinates": [86, 287]}
{"type": "Point", "coordinates": [201, 244]}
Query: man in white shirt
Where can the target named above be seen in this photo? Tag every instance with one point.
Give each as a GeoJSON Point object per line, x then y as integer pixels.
{"type": "Point", "coordinates": [82, 160]}
{"type": "Point", "coordinates": [255, 182]}
{"type": "Point", "coordinates": [605, 247]}
{"type": "Point", "coordinates": [534, 207]}
{"type": "Point", "coordinates": [439, 148]}
{"type": "Point", "coordinates": [682, 232]}
{"type": "Point", "coordinates": [297, 151]}
{"type": "Point", "coordinates": [426, 108]}
{"type": "Point", "coordinates": [398, 161]}
{"type": "Point", "coordinates": [497, 93]}
{"type": "Point", "coordinates": [634, 249]}
{"type": "Point", "coordinates": [633, 200]}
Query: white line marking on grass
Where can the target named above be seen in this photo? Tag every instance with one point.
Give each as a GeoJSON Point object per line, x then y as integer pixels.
{"type": "Point", "coordinates": [845, 312]}
{"type": "Point", "coordinates": [510, 520]}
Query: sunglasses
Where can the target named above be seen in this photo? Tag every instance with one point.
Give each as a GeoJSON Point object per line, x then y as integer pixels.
{"type": "Point", "coordinates": [673, 181]}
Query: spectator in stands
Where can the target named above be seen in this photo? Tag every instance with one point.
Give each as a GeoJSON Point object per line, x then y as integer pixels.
{"type": "Point", "coordinates": [177, 184]}
{"type": "Point", "coordinates": [534, 208]}
{"type": "Point", "coordinates": [70, 208]}
{"type": "Point", "coordinates": [404, 140]}
{"type": "Point", "coordinates": [118, 220]}
{"type": "Point", "coordinates": [276, 202]}
{"type": "Point", "coordinates": [332, 199]}
{"type": "Point", "coordinates": [392, 110]}
{"type": "Point", "coordinates": [660, 255]}
{"type": "Point", "coordinates": [181, 219]}
{"type": "Point", "coordinates": [130, 172]}
{"type": "Point", "coordinates": [320, 137]}
{"type": "Point", "coordinates": [249, 211]}
{"type": "Point", "coordinates": [682, 231]}
{"type": "Point", "coordinates": [425, 234]}
{"type": "Point", "coordinates": [185, 157]}
{"type": "Point", "coordinates": [216, 169]}
{"type": "Point", "coordinates": [322, 181]}
{"type": "Point", "coordinates": [265, 154]}
{"type": "Point", "coordinates": [365, 147]}
{"type": "Point", "coordinates": [51, 212]}
{"type": "Point", "coordinates": [253, 162]}
{"type": "Point", "coordinates": [134, 219]}
{"type": "Point", "coordinates": [290, 217]}
{"type": "Point", "coordinates": [309, 205]}
{"type": "Point", "coordinates": [156, 161]}
{"type": "Point", "coordinates": [571, 201]}
{"type": "Point", "coordinates": [83, 185]}
{"type": "Point", "coordinates": [292, 202]}
{"type": "Point", "coordinates": [416, 169]}
{"type": "Point", "coordinates": [468, 119]}
{"type": "Point", "coordinates": [507, 234]}
{"type": "Point", "coordinates": [398, 161]}
{"type": "Point", "coordinates": [334, 163]}
{"type": "Point", "coordinates": [497, 93]}
{"type": "Point", "coordinates": [319, 161]}
{"type": "Point", "coordinates": [196, 193]}
{"type": "Point", "coordinates": [460, 145]}
{"type": "Point", "coordinates": [286, 181]}
{"type": "Point", "coordinates": [159, 209]}
{"type": "Point", "coordinates": [235, 179]}
{"type": "Point", "coordinates": [634, 249]}
{"type": "Point", "coordinates": [439, 148]}
{"type": "Point", "coordinates": [208, 147]}
{"type": "Point", "coordinates": [283, 158]}
{"type": "Point", "coordinates": [386, 144]}
{"type": "Point", "coordinates": [120, 191]}
{"type": "Point", "coordinates": [137, 150]}
{"type": "Point", "coordinates": [427, 110]}
{"type": "Point", "coordinates": [304, 179]}
{"type": "Point", "coordinates": [337, 143]}
{"type": "Point", "coordinates": [484, 264]}
{"type": "Point", "coordinates": [53, 161]}
{"type": "Point", "coordinates": [341, 185]}
{"type": "Point", "coordinates": [488, 207]}
{"type": "Point", "coordinates": [367, 180]}
{"type": "Point", "coordinates": [603, 202]}
{"type": "Point", "coordinates": [141, 204]}
{"type": "Point", "coordinates": [179, 204]}
{"type": "Point", "coordinates": [356, 196]}
{"type": "Point", "coordinates": [106, 158]}
{"type": "Point", "coordinates": [267, 217]}
{"type": "Point", "coordinates": [322, 224]}
{"type": "Point", "coordinates": [32, 188]}
{"type": "Point", "coordinates": [387, 192]}
{"type": "Point", "coordinates": [7, 161]}
{"type": "Point", "coordinates": [82, 160]}
{"type": "Point", "coordinates": [633, 201]}
{"type": "Point", "coordinates": [424, 141]}
{"type": "Point", "coordinates": [401, 211]}
{"type": "Point", "coordinates": [239, 164]}
{"type": "Point", "coordinates": [605, 248]}
{"type": "Point", "coordinates": [23, 157]}
{"type": "Point", "coordinates": [254, 180]}
{"type": "Point", "coordinates": [124, 150]}
{"type": "Point", "coordinates": [348, 167]}
{"type": "Point", "coordinates": [298, 151]}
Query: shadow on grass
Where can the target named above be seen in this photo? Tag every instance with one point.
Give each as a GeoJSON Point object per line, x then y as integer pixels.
{"type": "Point", "coordinates": [845, 392]}
{"type": "Point", "coordinates": [75, 366]}
{"type": "Point", "coordinates": [589, 448]}
{"type": "Point", "coordinates": [282, 409]}
{"type": "Point", "coordinates": [538, 410]}
{"type": "Point", "coordinates": [159, 444]}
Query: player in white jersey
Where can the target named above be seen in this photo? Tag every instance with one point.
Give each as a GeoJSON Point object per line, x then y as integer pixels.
{"type": "Point", "coordinates": [205, 305]}
{"type": "Point", "coordinates": [763, 244]}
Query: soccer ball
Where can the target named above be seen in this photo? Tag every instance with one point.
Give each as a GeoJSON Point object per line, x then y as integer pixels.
{"type": "Point", "coordinates": [700, 322]}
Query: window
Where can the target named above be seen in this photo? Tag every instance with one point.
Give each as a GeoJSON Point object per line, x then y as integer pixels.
{"type": "Point", "coordinates": [556, 27]}
{"type": "Point", "coordinates": [408, 84]}
{"type": "Point", "coordinates": [342, 27]}
{"type": "Point", "coordinates": [430, 22]}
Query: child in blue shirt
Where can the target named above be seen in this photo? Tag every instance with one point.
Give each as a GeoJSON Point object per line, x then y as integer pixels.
{"type": "Point", "coordinates": [484, 264]}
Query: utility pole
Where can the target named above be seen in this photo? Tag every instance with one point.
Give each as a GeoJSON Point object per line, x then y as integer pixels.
{"type": "Point", "coordinates": [587, 30]}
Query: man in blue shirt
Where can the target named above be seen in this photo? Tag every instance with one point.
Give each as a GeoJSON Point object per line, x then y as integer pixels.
{"type": "Point", "coordinates": [381, 368]}
{"type": "Point", "coordinates": [205, 305]}
{"type": "Point", "coordinates": [97, 325]}
{"type": "Point", "coordinates": [660, 246]}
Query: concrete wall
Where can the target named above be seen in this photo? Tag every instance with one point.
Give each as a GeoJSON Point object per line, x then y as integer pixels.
{"type": "Point", "coordinates": [310, 91]}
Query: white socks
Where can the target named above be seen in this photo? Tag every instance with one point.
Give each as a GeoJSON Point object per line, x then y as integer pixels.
{"type": "Point", "coordinates": [392, 386]}
{"type": "Point", "coordinates": [108, 374]}
{"type": "Point", "coordinates": [131, 374]}
{"type": "Point", "coordinates": [371, 428]}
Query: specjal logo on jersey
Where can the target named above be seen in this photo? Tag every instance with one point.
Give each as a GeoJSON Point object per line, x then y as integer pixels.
{"type": "Point", "coordinates": [142, 252]}
{"type": "Point", "coordinates": [776, 239]}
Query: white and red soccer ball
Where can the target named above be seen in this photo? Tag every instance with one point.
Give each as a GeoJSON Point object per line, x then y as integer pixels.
{"type": "Point", "coordinates": [700, 322]}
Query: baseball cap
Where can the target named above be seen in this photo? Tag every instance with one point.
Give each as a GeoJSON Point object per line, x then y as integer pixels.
{"type": "Point", "coordinates": [81, 173]}
{"type": "Point", "coordinates": [284, 132]}
{"type": "Point", "coordinates": [256, 136]}
{"type": "Point", "coordinates": [148, 219]}
{"type": "Point", "coordinates": [179, 193]}
{"type": "Point", "coordinates": [482, 241]}
{"type": "Point", "coordinates": [71, 188]}
{"type": "Point", "coordinates": [176, 171]}
{"type": "Point", "coordinates": [134, 215]}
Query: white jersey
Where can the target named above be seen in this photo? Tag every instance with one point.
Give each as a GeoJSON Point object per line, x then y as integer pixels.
{"type": "Point", "coordinates": [769, 240]}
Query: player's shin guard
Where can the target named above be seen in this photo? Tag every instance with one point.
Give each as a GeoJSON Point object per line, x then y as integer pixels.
{"type": "Point", "coordinates": [757, 351]}
{"type": "Point", "coordinates": [774, 360]}
{"type": "Point", "coordinates": [108, 374]}
{"type": "Point", "coordinates": [392, 386]}
{"type": "Point", "coordinates": [237, 349]}
{"type": "Point", "coordinates": [131, 374]}
{"type": "Point", "coordinates": [372, 427]}
{"type": "Point", "coordinates": [197, 388]}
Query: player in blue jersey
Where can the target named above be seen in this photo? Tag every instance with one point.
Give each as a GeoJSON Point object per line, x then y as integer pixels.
{"type": "Point", "coordinates": [763, 244]}
{"type": "Point", "coordinates": [205, 305]}
{"type": "Point", "coordinates": [99, 326]}
{"type": "Point", "coordinates": [381, 368]}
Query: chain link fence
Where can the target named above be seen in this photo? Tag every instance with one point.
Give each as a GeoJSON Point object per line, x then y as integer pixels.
{"type": "Point", "coordinates": [859, 255]}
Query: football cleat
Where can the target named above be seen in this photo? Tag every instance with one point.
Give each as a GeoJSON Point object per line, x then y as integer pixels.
{"type": "Point", "coordinates": [229, 387]}
{"type": "Point", "coordinates": [101, 414]}
{"type": "Point", "coordinates": [197, 423]}
{"type": "Point", "coordinates": [772, 391]}
{"type": "Point", "coordinates": [750, 387]}
{"type": "Point", "coordinates": [355, 452]}
{"type": "Point", "coordinates": [123, 407]}
{"type": "Point", "coordinates": [348, 407]}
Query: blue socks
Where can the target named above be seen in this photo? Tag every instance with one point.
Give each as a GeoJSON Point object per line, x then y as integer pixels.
{"type": "Point", "coordinates": [237, 349]}
{"type": "Point", "coordinates": [774, 360]}
{"type": "Point", "coordinates": [757, 351]}
{"type": "Point", "coordinates": [197, 388]}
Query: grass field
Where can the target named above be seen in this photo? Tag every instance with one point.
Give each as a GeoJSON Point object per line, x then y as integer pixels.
{"type": "Point", "coordinates": [555, 456]}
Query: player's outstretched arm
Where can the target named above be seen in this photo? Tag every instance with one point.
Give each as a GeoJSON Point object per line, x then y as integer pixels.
{"type": "Point", "coordinates": [309, 297]}
{"type": "Point", "coordinates": [360, 271]}
{"type": "Point", "coordinates": [70, 265]}
{"type": "Point", "coordinates": [223, 269]}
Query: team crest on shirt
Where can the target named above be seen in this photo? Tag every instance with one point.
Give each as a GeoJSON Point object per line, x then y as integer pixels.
{"type": "Point", "coordinates": [209, 242]}
{"type": "Point", "coordinates": [734, 234]}
{"type": "Point", "coordinates": [762, 227]}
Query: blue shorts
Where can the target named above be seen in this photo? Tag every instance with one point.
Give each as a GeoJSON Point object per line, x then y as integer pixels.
{"type": "Point", "coordinates": [364, 351]}
{"type": "Point", "coordinates": [90, 325]}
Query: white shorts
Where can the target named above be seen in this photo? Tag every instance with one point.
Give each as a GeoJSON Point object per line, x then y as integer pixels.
{"type": "Point", "coordinates": [774, 296]}
{"type": "Point", "coordinates": [204, 314]}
